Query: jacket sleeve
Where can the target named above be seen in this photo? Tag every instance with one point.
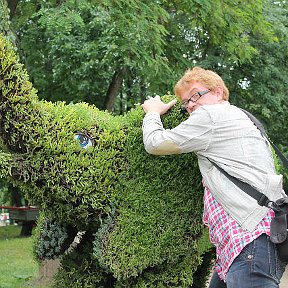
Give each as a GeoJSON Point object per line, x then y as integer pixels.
{"type": "Point", "coordinates": [192, 135]}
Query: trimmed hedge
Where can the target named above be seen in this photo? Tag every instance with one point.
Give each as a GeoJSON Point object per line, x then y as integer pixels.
{"type": "Point", "coordinates": [142, 214]}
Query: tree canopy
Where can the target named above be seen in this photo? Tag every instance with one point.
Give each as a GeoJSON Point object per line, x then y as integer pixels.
{"type": "Point", "coordinates": [115, 53]}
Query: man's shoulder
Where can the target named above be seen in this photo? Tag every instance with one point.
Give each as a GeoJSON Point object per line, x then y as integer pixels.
{"type": "Point", "coordinates": [222, 107]}
{"type": "Point", "coordinates": [224, 111]}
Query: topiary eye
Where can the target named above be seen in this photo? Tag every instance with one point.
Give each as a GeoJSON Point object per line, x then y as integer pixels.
{"type": "Point", "coordinates": [84, 140]}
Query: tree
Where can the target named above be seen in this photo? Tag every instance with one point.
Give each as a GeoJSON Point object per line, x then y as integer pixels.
{"type": "Point", "coordinates": [90, 49]}
{"type": "Point", "coordinates": [262, 83]}
{"type": "Point", "coordinates": [5, 21]}
{"type": "Point", "coordinates": [122, 51]}
{"type": "Point", "coordinates": [12, 4]}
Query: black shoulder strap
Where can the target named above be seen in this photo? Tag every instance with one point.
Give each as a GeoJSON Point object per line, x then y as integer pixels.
{"type": "Point", "coordinates": [261, 199]}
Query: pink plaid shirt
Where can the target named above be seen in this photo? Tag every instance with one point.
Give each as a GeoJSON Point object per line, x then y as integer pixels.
{"type": "Point", "coordinates": [227, 235]}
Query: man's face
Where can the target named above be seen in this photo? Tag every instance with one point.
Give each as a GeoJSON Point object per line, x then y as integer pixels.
{"type": "Point", "coordinates": [194, 95]}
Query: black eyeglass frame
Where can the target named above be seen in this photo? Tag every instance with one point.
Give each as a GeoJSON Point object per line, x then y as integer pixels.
{"type": "Point", "coordinates": [199, 93]}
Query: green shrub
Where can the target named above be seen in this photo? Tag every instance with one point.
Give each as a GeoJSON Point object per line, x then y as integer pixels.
{"type": "Point", "coordinates": [142, 214]}
{"type": "Point", "coordinates": [51, 238]}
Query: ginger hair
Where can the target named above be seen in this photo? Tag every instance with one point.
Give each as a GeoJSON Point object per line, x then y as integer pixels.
{"type": "Point", "coordinates": [207, 78]}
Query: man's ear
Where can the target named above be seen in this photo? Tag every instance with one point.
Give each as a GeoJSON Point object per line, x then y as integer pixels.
{"type": "Point", "coordinates": [219, 93]}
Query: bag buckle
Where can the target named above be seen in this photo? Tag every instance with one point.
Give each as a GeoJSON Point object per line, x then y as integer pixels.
{"type": "Point", "coordinates": [273, 205]}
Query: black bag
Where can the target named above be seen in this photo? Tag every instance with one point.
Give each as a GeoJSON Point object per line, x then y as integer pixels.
{"type": "Point", "coordinates": [279, 224]}
{"type": "Point", "coordinates": [283, 250]}
{"type": "Point", "coordinates": [279, 228]}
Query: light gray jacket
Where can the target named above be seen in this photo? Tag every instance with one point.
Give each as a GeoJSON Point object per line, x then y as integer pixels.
{"type": "Point", "coordinates": [223, 133]}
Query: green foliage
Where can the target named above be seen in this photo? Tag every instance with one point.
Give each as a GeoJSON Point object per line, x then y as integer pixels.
{"type": "Point", "coordinates": [142, 196]}
{"type": "Point", "coordinates": [79, 269]}
{"type": "Point", "coordinates": [39, 119]}
{"type": "Point", "coordinates": [49, 239]}
{"type": "Point", "coordinates": [238, 22]}
{"type": "Point", "coordinates": [85, 44]}
{"type": "Point", "coordinates": [73, 51]}
{"type": "Point", "coordinates": [5, 23]}
{"type": "Point", "coordinates": [145, 211]}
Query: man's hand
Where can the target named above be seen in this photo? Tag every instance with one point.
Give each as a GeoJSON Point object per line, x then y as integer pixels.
{"type": "Point", "coordinates": [156, 105]}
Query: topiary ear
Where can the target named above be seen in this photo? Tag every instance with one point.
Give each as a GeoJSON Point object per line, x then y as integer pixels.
{"type": "Point", "coordinates": [20, 112]}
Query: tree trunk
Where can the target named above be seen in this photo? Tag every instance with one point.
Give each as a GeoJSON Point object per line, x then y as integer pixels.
{"type": "Point", "coordinates": [27, 227]}
{"type": "Point", "coordinates": [16, 197]}
{"type": "Point", "coordinates": [12, 4]}
{"type": "Point", "coordinates": [114, 89]}
{"type": "Point", "coordinates": [142, 91]}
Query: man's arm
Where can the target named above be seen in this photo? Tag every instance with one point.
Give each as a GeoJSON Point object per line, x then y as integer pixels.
{"type": "Point", "coordinates": [153, 108]}
{"type": "Point", "coordinates": [191, 135]}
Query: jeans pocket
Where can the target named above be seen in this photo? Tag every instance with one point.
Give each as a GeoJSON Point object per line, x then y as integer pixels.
{"type": "Point", "coordinates": [244, 260]}
{"type": "Point", "coordinates": [258, 265]}
{"type": "Point", "coordinates": [248, 252]}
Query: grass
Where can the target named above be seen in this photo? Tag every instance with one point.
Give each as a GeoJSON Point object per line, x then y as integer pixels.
{"type": "Point", "coordinates": [8, 232]}
{"type": "Point", "coordinates": [17, 266]}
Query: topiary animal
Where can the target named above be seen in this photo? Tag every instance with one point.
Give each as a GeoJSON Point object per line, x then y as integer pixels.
{"type": "Point", "coordinates": [88, 171]}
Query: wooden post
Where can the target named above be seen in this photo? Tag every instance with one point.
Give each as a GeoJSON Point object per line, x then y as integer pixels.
{"type": "Point", "coordinates": [48, 268]}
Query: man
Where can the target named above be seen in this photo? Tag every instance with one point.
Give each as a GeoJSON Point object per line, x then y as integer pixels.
{"type": "Point", "coordinates": [221, 133]}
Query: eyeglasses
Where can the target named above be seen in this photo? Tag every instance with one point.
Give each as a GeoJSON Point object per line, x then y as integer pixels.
{"type": "Point", "coordinates": [194, 98]}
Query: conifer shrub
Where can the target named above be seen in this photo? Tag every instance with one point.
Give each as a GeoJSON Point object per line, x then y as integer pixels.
{"type": "Point", "coordinates": [52, 238]}
{"type": "Point", "coordinates": [87, 170]}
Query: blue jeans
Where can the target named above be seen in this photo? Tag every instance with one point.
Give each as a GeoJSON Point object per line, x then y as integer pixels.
{"type": "Point", "coordinates": [257, 266]}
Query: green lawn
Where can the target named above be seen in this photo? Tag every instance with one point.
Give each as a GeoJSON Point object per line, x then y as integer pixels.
{"type": "Point", "coordinates": [18, 267]}
{"type": "Point", "coordinates": [8, 232]}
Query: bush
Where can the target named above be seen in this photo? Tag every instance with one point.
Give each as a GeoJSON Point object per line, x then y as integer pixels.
{"type": "Point", "coordinates": [142, 214]}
